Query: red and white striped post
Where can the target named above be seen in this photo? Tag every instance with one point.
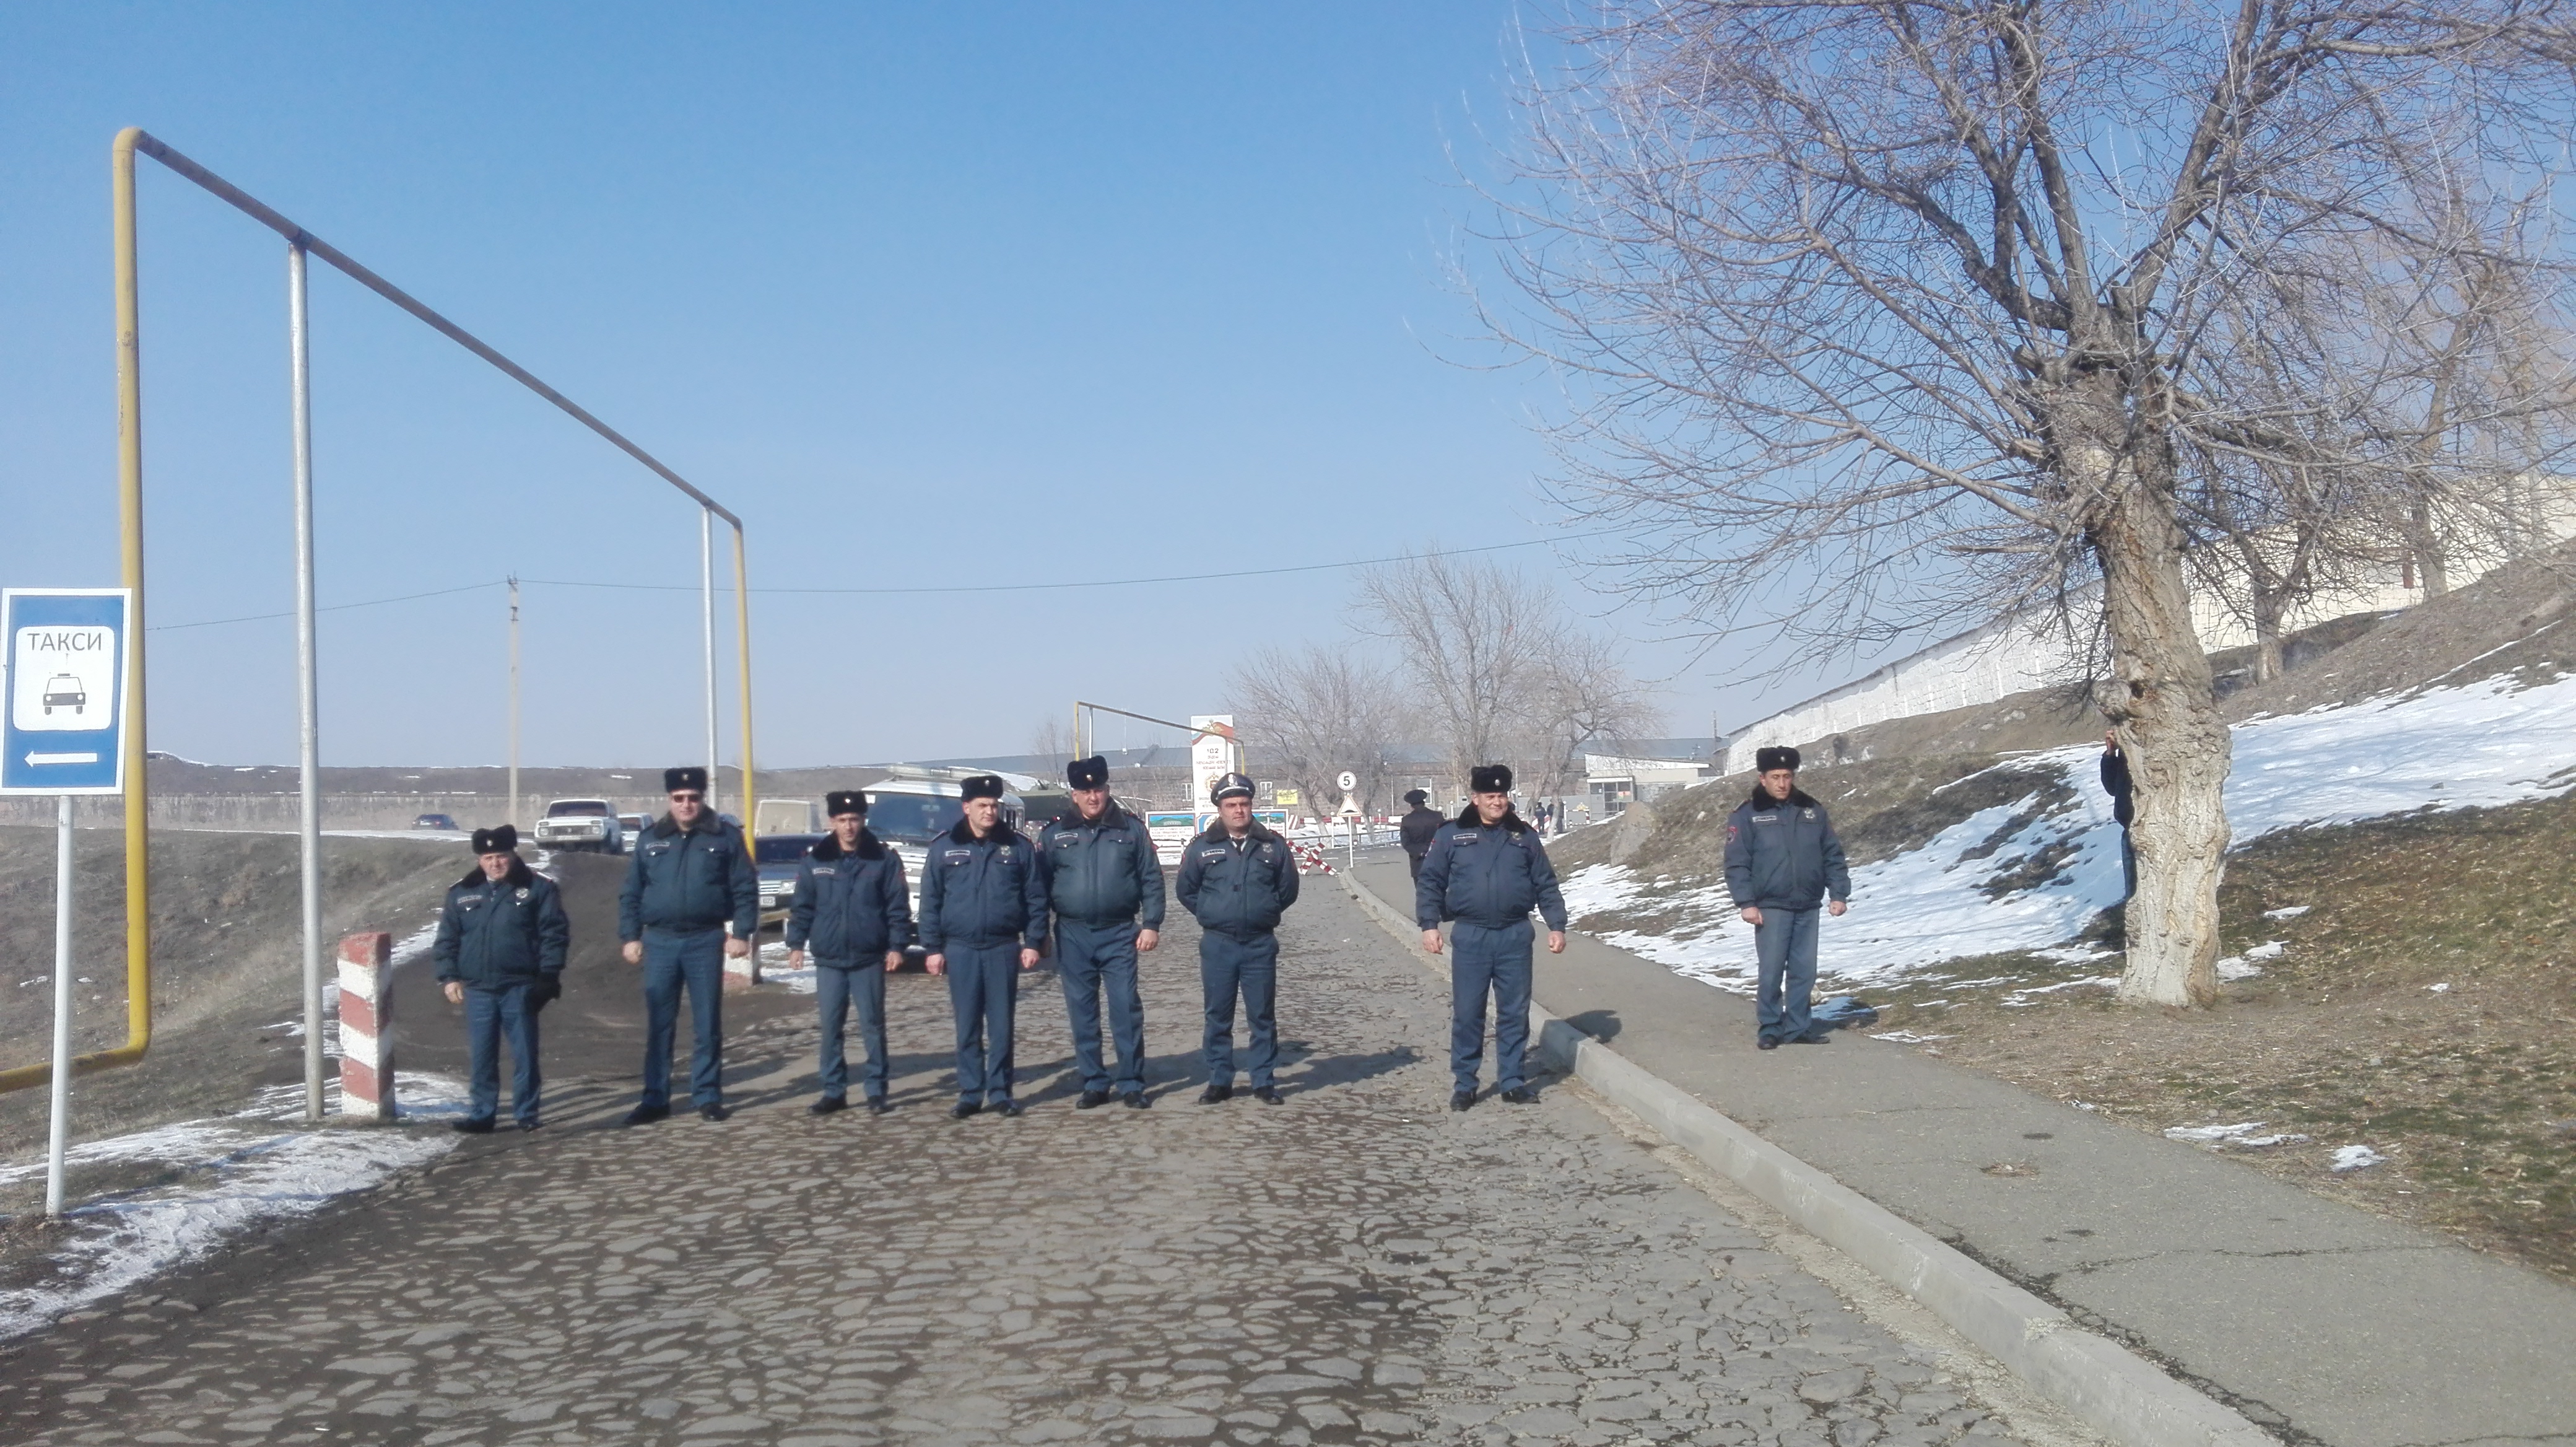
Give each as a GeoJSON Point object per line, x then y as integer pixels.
{"type": "Point", "coordinates": [366, 1026]}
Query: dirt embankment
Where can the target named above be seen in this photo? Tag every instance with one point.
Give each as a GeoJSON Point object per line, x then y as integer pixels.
{"type": "Point", "coordinates": [227, 969]}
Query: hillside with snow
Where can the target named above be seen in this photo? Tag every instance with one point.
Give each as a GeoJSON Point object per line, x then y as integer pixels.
{"type": "Point", "coordinates": [2028, 875]}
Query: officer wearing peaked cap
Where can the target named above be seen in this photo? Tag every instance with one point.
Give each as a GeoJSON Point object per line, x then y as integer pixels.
{"type": "Point", "coordinates": [502, 937]}
{"type": "Point", "coordinates": [1486, 871]}
{"type": "Point", "coordinates": [1782, 859]}
{"type": "Point", "coordinates": [1238, 878]}
{"type": "Point", "coordinates": [850, 911]}
{"type": "Point", "coordinates": [692, 897]}
{"type": "Point", "coordinates": [1102, 877]}
{"type": "Point", "coordinates": [983, 917]}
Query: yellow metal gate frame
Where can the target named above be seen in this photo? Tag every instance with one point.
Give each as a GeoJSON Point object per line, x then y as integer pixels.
{"type": "Point", "coordinates": [129, 500]}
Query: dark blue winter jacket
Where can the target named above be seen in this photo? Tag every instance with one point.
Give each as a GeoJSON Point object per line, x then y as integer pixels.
{"type": "Point", "coordinates": [981, 892]}
{"type": "Point", "coordinates": [502, 932]}
{"type": "Point", "coordinates": [688, 882]}
{"type": "Point", "coordinates": [1783, 853]}
{"type": "Point", "coordinates": [1101, 871]}
{"type": "Point", "coordinates": [1237, 887]}
{"type": "Point", "coordinates": [850, 907]}
{"type": "Point", "coordinates": [1488, 875]}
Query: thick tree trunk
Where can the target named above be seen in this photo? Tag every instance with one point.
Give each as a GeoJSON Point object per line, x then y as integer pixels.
{"type": "Point", "coordinates": [2165, 708]}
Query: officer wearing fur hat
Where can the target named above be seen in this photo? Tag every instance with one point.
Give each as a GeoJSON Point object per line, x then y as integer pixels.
{"type": "Point", "coordinates": [1782, 859]}
{"type": "Point", "coordinates": [500, 953]}
{"type": "Point", "coordinates": [1416, 828]}
{"type": "Point", "coordinates": [850, 910]}
{"type": "Point", "coordinates": [1486, 870]}
{"type": "Point", "coordinates": [1106, 886]}
{"type": "Point", "coordinates": [1238, 878]}
{"type": "Point", "coordinates": [689, 881]}
{"type": "Point", "coordinates": [983, 917]}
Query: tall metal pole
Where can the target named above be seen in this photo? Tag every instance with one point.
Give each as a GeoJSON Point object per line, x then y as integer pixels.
{"type": "Point", "coordinates": [707, 606]}
{"type": "Point", "coordinates": [307, 674]}
{"type": "Point", "coordinates": [60, 1134]}
{"type": "Point", "coordinates": [514, 702]}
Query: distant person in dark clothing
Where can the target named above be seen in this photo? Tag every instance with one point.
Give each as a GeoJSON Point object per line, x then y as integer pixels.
{"type": "Point", "coordinates": [2115, 782]}
{"type": "Point", "coordinates": [1782, 859]}
{"type": "Point", "coordinates": [1418, 827]}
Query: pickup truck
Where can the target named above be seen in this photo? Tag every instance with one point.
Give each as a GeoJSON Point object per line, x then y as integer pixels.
{"type": "Point", "coordinates": [588, 825]}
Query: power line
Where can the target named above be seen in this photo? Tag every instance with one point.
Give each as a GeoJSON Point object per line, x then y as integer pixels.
{"type": "Point", "coordinates": [327, 608]}
{"type": "Point", "coordinates": [944, 588]}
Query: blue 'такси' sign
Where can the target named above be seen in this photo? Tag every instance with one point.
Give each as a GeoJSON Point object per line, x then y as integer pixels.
{"type": "Point", "coordinates": [63, 730]}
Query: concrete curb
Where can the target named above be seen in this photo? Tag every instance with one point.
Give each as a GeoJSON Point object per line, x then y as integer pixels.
{"type": "Point", "coordinates": [2126, 1398]}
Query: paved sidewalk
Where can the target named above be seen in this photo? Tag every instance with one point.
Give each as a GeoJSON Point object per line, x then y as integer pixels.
{"type": "Point", "coordinates": [2316, 1320]}
{"type": "Point", "coordinates": [1354, 1265]}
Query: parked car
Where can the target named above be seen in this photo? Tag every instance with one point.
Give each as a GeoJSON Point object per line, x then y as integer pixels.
{"type": "Point", "coordinates": [776, 856]}
{"type": "Point", "coordinates": [635, 823]}
{"type": "Point", "coordinates": [434, 821]}
{"type": "Point", "coordinates": [583, 825]}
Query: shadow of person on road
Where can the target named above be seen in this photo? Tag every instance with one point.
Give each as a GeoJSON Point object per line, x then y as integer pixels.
{"type": "Point", "coordinates": [1601, 1025]}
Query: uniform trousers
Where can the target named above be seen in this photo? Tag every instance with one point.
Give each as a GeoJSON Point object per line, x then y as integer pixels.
{"type": "Point", "coordinates": [1246, 965]}
{"type": "Point", "coordinates": [694, 961]}
{"type": "Point", "coordinates": [838, 985]}
{"type": "Point", "coordinates": [1092, 959]}
{"type": "Point", "coordinates": [1497, 962]}
{"type": "Point", "coordinates": [984, 993]}
{"type": "Point", "coordinates": [492, 1012]}
{"type": "Point", "coordinates": [1784, 949]}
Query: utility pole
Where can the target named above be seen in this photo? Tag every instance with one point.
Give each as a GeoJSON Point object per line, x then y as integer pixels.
{"type": "Point", "coordinates": [514, 701]}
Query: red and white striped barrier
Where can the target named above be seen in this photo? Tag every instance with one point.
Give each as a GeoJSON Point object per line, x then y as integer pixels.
{"type": "Point", "coordinates": [366, 1026]}
{"type": "Point", "coordinates": [1310, 858]}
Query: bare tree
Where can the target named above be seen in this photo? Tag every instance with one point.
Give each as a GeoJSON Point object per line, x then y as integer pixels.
{"type": "Point", "coordinates": [1585, 699]}
{"type": "Point", "coordinates": [1308, 714]}
{"type": "Point", "coordinates": [1501, 673]}
{"type": "Point", "coordinates": [1052, 741]}
{"type": "Point", "coordinates": [1904, 306]}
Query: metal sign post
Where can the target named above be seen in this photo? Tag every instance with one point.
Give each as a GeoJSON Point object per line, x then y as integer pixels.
{"type": "Point", "coordinates": [63, 733]}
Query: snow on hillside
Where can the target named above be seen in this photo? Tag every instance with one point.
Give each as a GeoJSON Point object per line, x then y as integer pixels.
{"type": "Point", "coordinates": [2483, 744]}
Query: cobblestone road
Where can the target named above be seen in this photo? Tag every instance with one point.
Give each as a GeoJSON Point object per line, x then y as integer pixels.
{"type": "Point", "coordinates": [1355, 1265]}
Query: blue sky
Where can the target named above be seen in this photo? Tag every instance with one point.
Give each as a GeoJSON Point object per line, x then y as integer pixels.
{"type": "Point", "coordinates": [928, 294]}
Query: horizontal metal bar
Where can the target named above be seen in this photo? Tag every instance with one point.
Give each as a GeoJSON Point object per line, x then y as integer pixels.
{"type": "Point", "coordinates": [268, 216]}
{"type": "Point", "coordinates": [1193, 730]}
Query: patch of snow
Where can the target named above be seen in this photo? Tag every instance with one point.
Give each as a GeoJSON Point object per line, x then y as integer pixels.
{"type": "Point", "coordinates": [2084, 1105]}
{"type": "Point", "coordinates": [2356, 1158]}
{"type": "Point", "coordinates": [2241, 1134]}
{"type": "Point", "coordinates": [2441, 989]}
{"type": "Point", "coordinates": [2499, 744]}
{"type": "Point", "coordinates": [2022, 997]}
{"type": "Point", "coordinates": [2292, 911]}
{"type": "Point", "coordinates": [233, 1176]}
{"type": "Point", "coordinates": [2268, 950]}
{"type": "Point", "coordinates": [1908, 1037]}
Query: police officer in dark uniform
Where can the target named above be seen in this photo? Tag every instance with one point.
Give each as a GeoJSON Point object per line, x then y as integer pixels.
{"type": "Point", "coordinates": [690, 878]}
{"type": "Point", "coordinates": [500, 952]}
{"type": "Point", "coordinates": [1782, 859]}
{"type": "Point", "coordinates": [1238, 878]}
{"type": "Point", "coordinates": [1417, 827]}
{"type": "Point", "coordinates": [983, 916]}
{"type": "Point", "coordinates": [1486, 871]}
{"type": "Point", "coordinates": [850, 910]}
{"type": "Point", "coordinates": [1100, 872]}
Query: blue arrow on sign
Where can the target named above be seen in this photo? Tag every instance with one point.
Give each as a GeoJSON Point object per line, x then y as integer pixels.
{"type": "Point", "coordinates": [62, 690]}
